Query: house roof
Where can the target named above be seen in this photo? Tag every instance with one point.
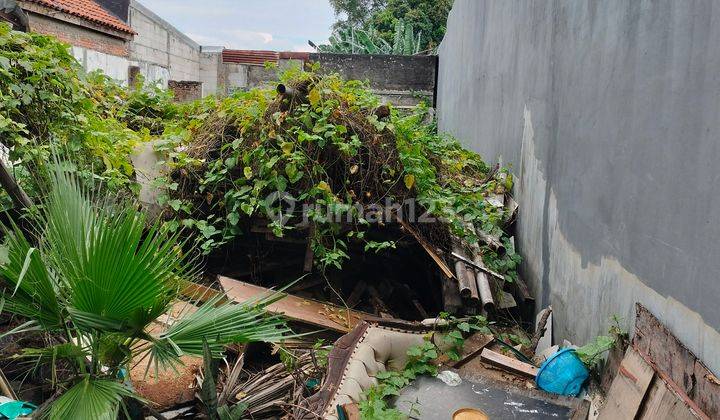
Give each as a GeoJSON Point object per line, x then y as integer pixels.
{"type": "Point", "coordinates": [259, 57]}
{"type": "Point", "coordinates": [88, 10]}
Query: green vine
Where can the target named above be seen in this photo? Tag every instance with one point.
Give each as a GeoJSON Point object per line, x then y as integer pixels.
{"type": "Point", "coordinates": [421, 360]}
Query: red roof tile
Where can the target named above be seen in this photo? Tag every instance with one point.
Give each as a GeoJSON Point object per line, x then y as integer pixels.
{"type": "Point", "coordinates": [88, 10]}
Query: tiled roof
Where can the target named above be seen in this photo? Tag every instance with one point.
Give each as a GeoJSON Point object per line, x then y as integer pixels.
{"type": "Point", "coordinates": [259, 57]}
{"type": "Point", "coordinates": [87, 10]}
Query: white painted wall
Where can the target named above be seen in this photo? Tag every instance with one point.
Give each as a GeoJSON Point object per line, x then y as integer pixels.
{"type": "Point", "coordinates": [113, 66]}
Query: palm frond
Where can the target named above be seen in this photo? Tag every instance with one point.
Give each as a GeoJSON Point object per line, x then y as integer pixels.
{"type": "Point", "coordinates": [90, 399]}
{"type": "Point", "coordinates": [30, 290]}
{"type": "Point", "coordinates": [119, 277]}
{"type": "Point", "coordinates": [220, 324]}
{"type": "Point", "coordinates": [23, 328]}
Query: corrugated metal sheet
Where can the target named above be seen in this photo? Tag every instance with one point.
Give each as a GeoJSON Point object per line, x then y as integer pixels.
{"type": "Point", "coordinates": [260, 57]}
{"type": "Point", "coordinates": [254, 57]}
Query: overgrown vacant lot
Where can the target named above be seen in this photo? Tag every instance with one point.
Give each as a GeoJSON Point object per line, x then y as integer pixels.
{"type": "Point", "coordinates": [310, 183]}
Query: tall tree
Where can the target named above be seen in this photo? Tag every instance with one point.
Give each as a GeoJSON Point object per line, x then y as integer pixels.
{"type": "Point", "coordinates": [356, 12]}
{"type": "Point", "coordinates": [427, 17]}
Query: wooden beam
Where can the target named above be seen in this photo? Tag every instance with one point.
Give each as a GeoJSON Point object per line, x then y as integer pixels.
{"type": "Point", "coordinates": [308, 311]}
{"type": "Point", "coordinates": [427, 247]}
{"type": "Point", "coordinates": [508, 363]}
{"type": "Point", "coordinates": [13, 189]}
{"type": "Point", "coordinates": [472, 347]}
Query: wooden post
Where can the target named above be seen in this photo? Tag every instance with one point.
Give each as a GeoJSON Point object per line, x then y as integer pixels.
{"type": "Point", "coordinates": [15, 191]}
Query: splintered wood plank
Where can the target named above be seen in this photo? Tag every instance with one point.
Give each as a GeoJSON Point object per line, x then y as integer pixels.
{"type": "Point", "coordinates": [296, 308]}
{"type": "Point", "coordinates": [663, 403]}
{"type": "Point", "coordinates": [674, 359]}
{"type": "Point", "coordinates": [628, 389]}
{"type": "Point", "coordinates": [508, 363]}
{"type": "Point", "coordinates": [428, 248]}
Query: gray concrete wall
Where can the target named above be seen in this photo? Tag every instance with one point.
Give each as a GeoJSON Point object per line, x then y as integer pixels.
{"type": "Point", "coordinates": [609, 113]}
{"type": "Point", "coordinates": [161, 51]}
{"type": "Point", "coordinates": [399, 79]}
{"type": "Point", "coordinates": [403, 81]}
{"type": "Point", "coordinates": [210, 63]}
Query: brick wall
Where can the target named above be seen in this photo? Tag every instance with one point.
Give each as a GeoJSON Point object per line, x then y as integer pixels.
{"type": "Point", "coordinates": [78, 36]}
{"type": "Point", "coordinates": [185, 90]}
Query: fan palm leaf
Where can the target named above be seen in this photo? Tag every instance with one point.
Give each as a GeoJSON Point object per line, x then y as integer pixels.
{"type": "Point", "coordinates": [118, 276]}
{"type": "Point", "coordinates": [29, 288]}
{"type": "Point", "coordinates": [90, 399]}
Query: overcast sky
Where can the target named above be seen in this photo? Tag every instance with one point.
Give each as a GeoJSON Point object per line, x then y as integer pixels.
{"type": "Point", "coordinates": [280, 25]}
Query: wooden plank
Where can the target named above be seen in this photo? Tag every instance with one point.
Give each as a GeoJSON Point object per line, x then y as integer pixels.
{"type": "Point", "coordinates": [673, 388]}
{"type": "Point", "coordinates": [582, 411]}
{"type": "Point", "coordinates": [628, 388]}
{"type": "Point", "coordinates": [662, 403]}
{"type": "Point", "coordinates": [674, 359]}
{"type": "Point", "coordinates": [296, 308]}
{"type": "Point", "coordinates": [5, 387]}
{"type": "Point", "coordinates": [427, 247]}
{"type": "Point", "coordinates": [472, 347]}
{"type": "Point", "coordinates": [508, 363]}
{"type": "Point", "coordinates": [543, 337]}
{"type": "Point", "coordinates": [309, 253]}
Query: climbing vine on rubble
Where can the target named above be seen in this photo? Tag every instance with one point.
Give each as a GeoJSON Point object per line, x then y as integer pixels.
{"type": "Point", "coordinates": [326, 147]}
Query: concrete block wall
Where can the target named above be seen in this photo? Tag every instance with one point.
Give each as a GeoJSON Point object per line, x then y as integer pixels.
{"type": "Point", "coordinates": [158, 45]}
{"type": "Point", "coordinates": [113, 66]}
{"type": "Point", "coordinates": [401, 80]}
{"type": "Point", "coordinates": [210, 64]}
{"type": "Point", "coordinates": [608, 114]}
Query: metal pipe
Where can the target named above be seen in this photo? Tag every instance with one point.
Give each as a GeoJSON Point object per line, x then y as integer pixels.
{"type": "Point", "coordinates": [285, 90]}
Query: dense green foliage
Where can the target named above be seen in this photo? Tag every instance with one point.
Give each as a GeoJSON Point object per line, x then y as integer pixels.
{"type": "Point", "coordinates": [368, 40]}
{"type": "Point", "coordinates": [327, 148]}
{"type": "Point", "coordinates": [98, 279]}
{"type": "Point", "coordinates": [428, 18]}
{"type": "Point", "coordinates": [48, 105]}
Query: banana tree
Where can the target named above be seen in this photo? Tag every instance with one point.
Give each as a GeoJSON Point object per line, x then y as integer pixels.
{"type": "Point", "coordinates": [96, 276]}
{"type": "Point", "coordinates": [367, 40]}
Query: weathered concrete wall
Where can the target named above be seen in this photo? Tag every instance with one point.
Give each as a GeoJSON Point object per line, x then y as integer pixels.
{"type": "Point", "coordinates": [160, 50]}
{"type": "Point", "coordinates": [609, 115]}
{"type": "Point", "coordinates": [113, 66]}
{"type": "Point", "coordinates": [210, 64]}
{"type": "Point", "coordinates": [400, 79]}
{"type": "Point", "coordinates": [234, 76]}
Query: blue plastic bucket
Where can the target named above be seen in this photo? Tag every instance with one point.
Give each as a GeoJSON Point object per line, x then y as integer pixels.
{"type": "Point", "coordinates": [562, 373]}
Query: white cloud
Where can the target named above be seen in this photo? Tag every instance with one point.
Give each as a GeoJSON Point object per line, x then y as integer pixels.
{"type": "Point", "coordinates": [303, 48]}
{"type": "Point", "coordinates": [249, 37]}
{"type": "Point", "coordinates": [249, 24]}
